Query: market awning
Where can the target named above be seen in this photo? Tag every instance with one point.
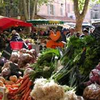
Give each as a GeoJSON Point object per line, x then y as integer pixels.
{"type": "Point", "coordinates": [44, 21]}
{"type": "Point", "coordinates": [11, 22]}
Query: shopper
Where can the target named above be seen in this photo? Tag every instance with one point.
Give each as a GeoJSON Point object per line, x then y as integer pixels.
{"type": "Point", "coordinates": [85, 33]}
{"type": "Point", "coordinates": [65, 35]}
{"type": "Point", "coordinates": [72, 31]}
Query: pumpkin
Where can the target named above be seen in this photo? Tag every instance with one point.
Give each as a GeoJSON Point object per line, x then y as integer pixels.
{"type": "Point", "coordinates": [13, 78]}
{"type": "Point", "coordinates": [52, 44]}
{"type": "Point", "coordinates": [54, 36]}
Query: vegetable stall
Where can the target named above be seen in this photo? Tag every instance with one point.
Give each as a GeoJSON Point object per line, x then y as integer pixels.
{"type": "Point", "coordinates": [6, 23]}
{"type": "Point", "coordinates": [47, 23]}
{"type": "Point", "coordinates": [70, 73]}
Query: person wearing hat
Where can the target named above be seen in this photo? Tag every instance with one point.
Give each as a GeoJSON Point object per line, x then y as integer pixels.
{"type": "Point", "coordinates": [85, 32]}
{"type": "Point", "coordinates": [8, 50]}
{"type": "Point", "coordinates": [16, 37]}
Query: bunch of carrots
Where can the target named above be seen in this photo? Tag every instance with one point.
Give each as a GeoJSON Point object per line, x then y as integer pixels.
{"type": "Point", "coordinates": [12, 88]}
{"type": "Point", "coordinates": [23, 92]}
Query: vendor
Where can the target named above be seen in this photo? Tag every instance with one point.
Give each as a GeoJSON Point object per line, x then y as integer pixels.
{"type": "Point", "coordinates": [8, 50]}
{"type": "Point", "coordinates": [16, 37]}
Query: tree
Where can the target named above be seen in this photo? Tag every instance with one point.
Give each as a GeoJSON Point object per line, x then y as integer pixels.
{"type": "Point", "coordinates": [80, 10]}
{"type": "Point", "coordinates": [30, 7]}
{"type": "Point", "coordinates": [23, 8]}
{"type": "Point", "coordinates": [9, 8]}
{"type": "Point", "coordinates": [2, 6]}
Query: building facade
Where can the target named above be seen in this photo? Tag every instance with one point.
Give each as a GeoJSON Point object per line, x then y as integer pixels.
{"type": "Point", "coordinates": [60, 9]}
{"type": "Point", "coordinates": [70, 11]}
{"type": "Point", "coordinates": [56, 8]}
{"type": "Point", "coordinates": [95, 13]}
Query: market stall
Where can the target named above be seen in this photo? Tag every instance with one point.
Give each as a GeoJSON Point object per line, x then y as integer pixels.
{"type": "Point", "coordinates": [71, 73]}
{"type": "Point", "coordinates": [43, 27]}
{"type": "Point", "coordinates": [44, 21]}
{"type": "Point", "coordinates": [11, 22]}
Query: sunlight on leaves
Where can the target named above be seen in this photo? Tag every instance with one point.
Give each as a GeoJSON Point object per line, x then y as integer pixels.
{"type": "Point", "coordinates": [81, 5]}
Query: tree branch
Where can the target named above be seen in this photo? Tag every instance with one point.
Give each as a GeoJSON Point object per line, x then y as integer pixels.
{"type": "Point", "coordinates": [76, 10]}
{"type": "Point", "coordinates": [85, 8]}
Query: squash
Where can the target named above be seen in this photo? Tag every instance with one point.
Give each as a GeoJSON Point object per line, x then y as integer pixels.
{"type": "Point", "coordinates": [54, 36]}
{"type": "Point", "coordinates": [13, 78]}
{"type": "Point", "coordinates": [52, 44]}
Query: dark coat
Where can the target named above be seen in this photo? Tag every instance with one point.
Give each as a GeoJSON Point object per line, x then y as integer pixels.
{"type": "Point", "coordinates": [18, 38]}
{"type": "Point", "coordinates": [63, 37]}
{"type": "Point", "coordinates": [8, 50]}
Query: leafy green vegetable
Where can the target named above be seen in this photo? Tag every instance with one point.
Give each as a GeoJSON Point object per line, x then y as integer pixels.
{"type": "Point", "coordinates": [80, 57]}
{"type": "Point", "coordinates": [45, 64]}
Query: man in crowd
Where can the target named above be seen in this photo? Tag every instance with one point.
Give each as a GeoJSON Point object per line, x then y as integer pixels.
{"type": "Point", "coordinates": [65, 34]}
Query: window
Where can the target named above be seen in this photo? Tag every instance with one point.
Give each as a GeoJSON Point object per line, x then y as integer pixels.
{"type": "Point", "coordinates": [68, 8]}
{"type": "Point", "coordinates": [91, 14]}
{"type": "Point", "coordinates": [96, 15]}
{"type": "Point", "coordinates": [61, 9]}
{"type": "Point", "coordinates": [51, 9]}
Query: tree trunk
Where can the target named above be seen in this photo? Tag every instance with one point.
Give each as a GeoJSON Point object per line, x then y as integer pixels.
{"type": "Point", "coordinates": [78, 27]}
{"type": "Point", "coordinates": [34, 9]}
{"type": "Point", "coordinates": [20, 9]}
{"type": "Point", "coordinates": [25, 10]}
{"type": "Point", "coordinates": [29, 8]}
{"type": "Point", "coordinates": [80, 16]}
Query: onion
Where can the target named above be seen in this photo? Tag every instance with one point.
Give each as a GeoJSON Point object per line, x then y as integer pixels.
{"type": "Point", "coordinates": [94, 75]}
{"type": "Point", "coordinates": [47, 90]}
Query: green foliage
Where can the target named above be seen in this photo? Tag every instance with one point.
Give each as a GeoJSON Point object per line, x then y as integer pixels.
{"type": "Point", "coordinates": [81, 56]}
{"type": "Point", "coordinates": [74, 46]}
{"type": "Point", "coordinates": [45, 64]}
{"type": "Point", "coordinates": [81, 5]}
{"type": "Point", "coordinates": [41, 2]}
{"type": "Point", "coordinates": [96, 1]}
{"type": "Point", "coordinates": [13, 6]}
